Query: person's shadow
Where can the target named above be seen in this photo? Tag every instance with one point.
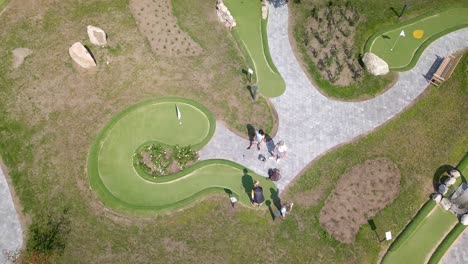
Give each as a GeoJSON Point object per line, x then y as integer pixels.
{"type": "Point", "coordinates": [247, 183]}
{"type": "Point", "coordinates": [250, 133]}
{"type": "Point", "coordinates": [270, 143]}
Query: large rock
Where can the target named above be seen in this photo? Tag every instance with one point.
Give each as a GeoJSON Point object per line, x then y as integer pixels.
{"type": "Point", "coordinates": [97, 36]}
{"type": "Point", "coordinates": [450, 181]}
{"type": "Point", "coordinates": [464, 219]}
{"type": "Point", "coordinates": [19, 54]}
{"type": "Point", "coordinates": [374, 64]}
{"type": "Point", "coordinates": [454, 173]}
{"type": "Point", "coordinates": [81, 56]}
{"type": "Point", "coordinates": [265, 5]}
{"type": "Point", "coordinates": [445, 204]}
{"type": "Point", "coordinates": [224, 15]}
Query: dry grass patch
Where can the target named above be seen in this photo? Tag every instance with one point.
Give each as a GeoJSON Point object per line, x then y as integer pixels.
{"type": "Point", "coordinates": [157, 23]}
{"type": "Point", "coordinates": [359, 195]}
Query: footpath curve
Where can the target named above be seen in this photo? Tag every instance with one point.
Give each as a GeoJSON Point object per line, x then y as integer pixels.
{"type": "Point", "coordinates": [310, 123]}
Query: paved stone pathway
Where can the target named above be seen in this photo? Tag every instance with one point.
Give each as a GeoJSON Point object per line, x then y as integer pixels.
{"type": "Point", "coordinates": [310, 123]}
{"type": "Point", "coordinates": [458, 253]}
{"type": "Point", "coordinates": [11, 237]}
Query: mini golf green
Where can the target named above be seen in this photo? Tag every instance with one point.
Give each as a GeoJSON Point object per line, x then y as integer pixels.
{"type": "Point", "coordinates": [252, 37]}
{"type": "Point", "coordinates": [425, 239]}
{"type": "Point", "coordinates": [114, 178]}
{"type": "Point", "coordinates": [419, 33]}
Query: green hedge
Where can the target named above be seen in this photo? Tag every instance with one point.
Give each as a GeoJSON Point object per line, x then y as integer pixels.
{"type": "Point", "coordinates": [446, 243]}
{"type": "Point", "coordinates": [413, 225]}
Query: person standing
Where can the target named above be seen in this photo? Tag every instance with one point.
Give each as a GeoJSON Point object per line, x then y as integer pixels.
{"type": "Point", "coordinates": [258, 138]}
{"type": "Point", "coordinates": [280, 151]}
{"type": "Point", "coordinates": [257, 194]}
{"type": "Point", "coordinates": [286, 209]}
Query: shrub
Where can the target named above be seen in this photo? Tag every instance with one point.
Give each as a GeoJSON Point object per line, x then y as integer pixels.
{"type": "Point", "coordinates": [184, 155]}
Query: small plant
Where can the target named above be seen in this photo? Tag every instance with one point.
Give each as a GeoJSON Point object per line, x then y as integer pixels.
{"type": "Point", "coordinates": [184, 155]}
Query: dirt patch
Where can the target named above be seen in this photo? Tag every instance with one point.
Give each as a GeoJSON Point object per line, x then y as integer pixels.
{"type": "Point", "coordinates": [157, 23]}
{"type": "Point", "coordinates": [359, 195]}
{"type": "Point", "coordinates": [329, 40]}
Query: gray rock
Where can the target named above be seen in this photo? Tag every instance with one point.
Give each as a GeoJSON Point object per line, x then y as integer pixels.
{"type": "Point", "coordinates": [19, 54]}
{"type": "Point", "coordinates": [81, 56]}
{"type": "Point", "coordinates": [374, 64]}
{"type": "Point", "coordinates": [97, 36]}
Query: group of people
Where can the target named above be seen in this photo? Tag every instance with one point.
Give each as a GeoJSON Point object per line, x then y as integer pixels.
{"type": "Point", "coordinates": [279, 152]}
{"type": "Point", "coordinates": [258, 199]}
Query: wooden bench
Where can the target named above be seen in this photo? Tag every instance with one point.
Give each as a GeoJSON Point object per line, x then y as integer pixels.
{"type": "Point", "coordinates": [445, 69]}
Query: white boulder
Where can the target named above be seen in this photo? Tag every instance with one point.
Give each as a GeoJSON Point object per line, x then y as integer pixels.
{"type": "Point", "coordinates": [81, 56]}
{"type": "Point", "coordinates": [450, 181]}
{"type": "Point", "coordinates": [454, 173]}
{"type": "Point", "coordinates": [19, 54]}
{"type": "Point", "coordinates": [374, 64]}
{"type": "Point", "coordinates": [265, 5]}
{"type": "Point", "coordinates": [437, 197]}
{"type": "Point", "coordinates": [224, 15]}
{"type": "Point", "coordinates": [464, 219]}
{"type": "Point", "coordinates": [445, 204]}
{"type": "Point", "coordinates": [97, 36]}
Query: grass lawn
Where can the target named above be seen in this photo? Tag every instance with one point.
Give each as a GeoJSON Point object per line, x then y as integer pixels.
{"type": "Point", "coordinates": [406, 50]}
{"type": "Point", "coordinates": [51, 114]}
{"type": "Point", "coordinates": [248, 33]}
{"type": "Point", "coordinates": [113, 176]}
{"type": "Point", "coordinates": [425, 239]}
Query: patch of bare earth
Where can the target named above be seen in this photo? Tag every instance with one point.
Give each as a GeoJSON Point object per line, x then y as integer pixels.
{"type": "Point", "coordinates": [329, 42]}
{"type": "Point", "coordinates": [359, 195]}
{"type": "Point", "coordinates": [159, 26]}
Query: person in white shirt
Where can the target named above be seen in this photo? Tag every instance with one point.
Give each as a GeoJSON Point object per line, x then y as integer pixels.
{"type": "Point", "coordinates": [280, 151]}
{"type": "Point", "coordinates": [258, 138]}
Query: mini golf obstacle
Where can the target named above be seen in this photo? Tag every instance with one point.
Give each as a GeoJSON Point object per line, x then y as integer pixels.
{"type": "Point", "coordinates": [430, 231]}
{"type": "Point", "coordinates": [121, 186]}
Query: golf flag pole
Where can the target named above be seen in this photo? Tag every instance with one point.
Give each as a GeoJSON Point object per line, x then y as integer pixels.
{"type": "Point", "coordinates": [179, 116]}
{"type": "Point", "coordinates": [402, 34]}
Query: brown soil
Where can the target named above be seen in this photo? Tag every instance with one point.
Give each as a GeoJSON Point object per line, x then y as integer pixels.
{"type": "Point", "coordinates": [159, 26]}
{"type": "Point", "coordinates": [359, 195]}
{"type": "Point", "coordinates": [329, 42]}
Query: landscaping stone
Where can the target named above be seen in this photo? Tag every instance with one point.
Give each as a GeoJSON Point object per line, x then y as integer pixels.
{"type": "Point", "coordinates": [19, 54]}
{"type": "Point", "coordinates": [81, 56]}
{"type": "Point", "coordinates": [265, 6]}
{"type": "Point", "coordinates": [454, 173]}
{"type": "Point", "coordinates": [224, 15]}
{"type": "Point", "coordinates": [374, 64]}
{"type": "Point", "coordinates": [445, 204]}
{"type": "Point", "coordinates": [450, 181]}
{"type": "Point", "coordinates": [437, 197]}
{"type": "Point", "coordinates": [97, 36]}
{"type": "Point", "coordinates": [464, 219]}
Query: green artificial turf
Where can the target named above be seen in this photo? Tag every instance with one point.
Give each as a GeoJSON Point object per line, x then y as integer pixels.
{"type": "Point", "coordinates": [248, 33]}
{"type": "Point", "coordinates": [424, 240]}
{"type": "Point", "coordinates": [114, 178]}
{"type": "Point", "coordinates": [407, 49]}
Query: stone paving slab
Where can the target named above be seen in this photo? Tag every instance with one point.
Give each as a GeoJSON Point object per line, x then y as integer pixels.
{"type": "Point", "coordinates": [458, 252]}
{"type": "Point", "coordinates": [310, 123]}
{"type": "Point", "coordinates": [11, 234]}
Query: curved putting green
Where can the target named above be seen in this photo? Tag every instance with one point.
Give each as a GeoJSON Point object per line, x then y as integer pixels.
{"type": "Point", "coordinates": [114, 178]}
{"type": "Point", "coordinates": [402, 52]}
{"type": "Point", "coordinates": [250, 32]}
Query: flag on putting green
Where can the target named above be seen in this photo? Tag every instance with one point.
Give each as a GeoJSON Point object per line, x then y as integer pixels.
{"type": "Point", "coordinates": [179, 116]}
{"type": "Point", "coordinates": [402, 33]}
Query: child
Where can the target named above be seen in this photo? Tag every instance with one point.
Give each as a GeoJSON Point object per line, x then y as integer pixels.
{"type": "Point", "coordinates": [280, 151]}
{"type": "Point", "coordinates": [286, 209]}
